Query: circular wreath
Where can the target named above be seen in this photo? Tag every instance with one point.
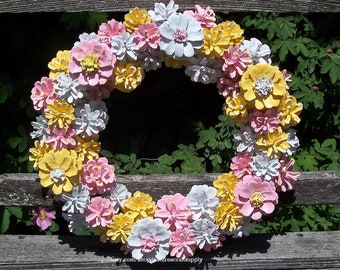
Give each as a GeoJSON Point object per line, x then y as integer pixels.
{"type": "Point", "coordinates": [70, 100]}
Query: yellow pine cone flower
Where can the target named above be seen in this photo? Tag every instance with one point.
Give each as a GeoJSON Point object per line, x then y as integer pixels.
{"type": "Point", "coordinates": [220, 38]}
{"type": "Point", "coordinates": [175, 63]}
{"type": "Point", "coordinates": [135, 18]}
{"type": "Point", "coordinates": [263, 86]}
{"type": "Point", "coordinates": [120, 228]}
{"type": "Point", "coordinates": [87, 148]}
{"type": "Point", "coordinates": [227, 216]}
{"type": "Point", "coordinates": [60, 170]}
{"type": "Point", "coordinates": [59, 114]}
{"type": "Point", "coordinates": [289, 111]}
{"type": "Point", "coordinates": [225, 185]}
{"type": "Point", "coordinates": [127, 77]}
{"type": "Point", "coordinates": [236, 109]}
{"type": "Point", "coordinates": [59, 64]}
{"type": "Point", "coordinates": [101, 232]}
{"type": "Point", "coordinates": [141, 204]}
{"type": "Point", "coordinates": [274, 143]}
{"type": "Point", "coordinates": [37, 152]}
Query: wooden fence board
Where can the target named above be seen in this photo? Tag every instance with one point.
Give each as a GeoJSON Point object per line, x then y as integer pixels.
{"type": "Point", "coordinates": [313, 250]}
{"type": "Point", "coordinates": [19, 6]}
{"type": "Point", "coordinates": [311, 188]}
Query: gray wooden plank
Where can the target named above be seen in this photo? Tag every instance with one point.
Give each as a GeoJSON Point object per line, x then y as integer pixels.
{"type": "Point", "coordinates": [311, 188]}
{"type": "Point", "coordinates": [309, 250]}
{"type": "Point", "coordinates": [19, 6]}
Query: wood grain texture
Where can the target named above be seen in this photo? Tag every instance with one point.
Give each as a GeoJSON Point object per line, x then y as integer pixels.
{"type": "Point", "coordinates": [311, 188]}
{"type": "Point", "coordinates": [313, 250]}
{"type": "Point", "coordinates": [19, 6]}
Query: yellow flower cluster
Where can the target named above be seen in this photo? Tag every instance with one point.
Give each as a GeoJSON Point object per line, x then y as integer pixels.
{"type": "Point", "coordinates": [263, 87]}
{"type": "Point", "coordinates": [87, 148]}
{"type": "Point", "coordinates": [137, 207]}
{"type": "Point", "coordinates": [273, 143]}
{"type": "Point", "coordinates": [38, 151]}
{"type": "Point", "coordinates": [59, 64]}
{"type": "Point", "coordinates": [127, 76]}
{"type": "Point", "coordinates": [220, 38]}
{"type": "Point", "coordinates": [289, 110]}
{"type": "Point", "coordinates": [59, 170]}
{"type": "Point", "coordinates": [227, 214]}
{"type": "Point", "coordinates": [120, 228]}
{"type": "Point", "coordinates": [236, 109]}
{"type": "Point", "coordinates": [60, 114]}
{"type": "Point", "coordinates": [135, 18]}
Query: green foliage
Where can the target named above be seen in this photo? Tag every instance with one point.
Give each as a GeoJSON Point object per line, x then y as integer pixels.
{"type": "Point", "coordinates": [301, 218]}
{"type": "Point", "coordinates": [324, 156]}
{"type": "Point", "coordinates": [308, 46]}
{"type": "Point", "coordinates": [6, 87]}
{"type": "Point", "coordinates": [80, 19]}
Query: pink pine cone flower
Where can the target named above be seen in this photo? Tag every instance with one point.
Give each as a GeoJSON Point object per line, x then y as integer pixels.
{"type": "Point", "coordinates": [92, 62]}
{"type": "Point", "coordinates": [227, 86]}
{"type": "Point", "coordinates": [43, 93]}
{"type": "Point", "coordinates": [174, 211]}
{"type": "Point", "coordinates": [43, 217]}
{"type": "Point", "coordinates": [61, 138]}
{"type": "Point", "coordinates": [98, 176]}
{"type": "Point", "coordinates": [255, 197]}
{"type": "Point", "coordinates": [235, 62]}
{"type": "Point", "coordinates": [99, 212]}
{"type": "Point", "coordinates": [147, 36]}
{"type": "Point", "coordinates": [264, 122]}
{"type": "Point", "coordinates": [286, 176]}
{"type": "Point", "coordinates": [241, 164]}
{"type": "Point", "coordinates": [108, 30]}
{"type": "Point", "coordinates": [206, 17]}
{"type": "Point", "coordinates": [182, 243]}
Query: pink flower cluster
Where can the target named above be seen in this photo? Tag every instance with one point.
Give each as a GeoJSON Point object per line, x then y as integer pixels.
{"type": "Point", "coordinates": [92, 62]}
{"type": "Point", "coordinates": [99, 212]}
{"type": "Point", "coordinates": [98, 176]}
{"type": "Point", "coordinates": [255, 197]}
{"type": "Point", "coordinates": [43, 93]}
{"type": "Point", "coordinates": [147, 37]}
{"type": "Point", "coordinates": [176, 216]}
{"type": "Point", "coordinates": [235, 62]}
{"type": "Point", "coordinates": [206, 17]}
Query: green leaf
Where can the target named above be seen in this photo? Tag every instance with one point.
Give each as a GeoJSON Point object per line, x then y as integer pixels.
{"type": "Point", "coordinates": [334, 72]}
{"type": "Point", "coordinates": [106, 153]}
{"type": "Point", "coordinates": [16, 211]}
{"type": "Point", "coordinates": [96, 18]}
{"type": "Point", "coordinates": [283, 52]}
{"type": "Point", "coordinates": [14, 142]}
{"type": "Point", "coordinates": [166, 160]}
{"type": "Point", "coordinates": [307, 162]}
{"type": "Point", "coordinates": [325, 67]}
{"type": "Point", "coordinates": [192, 165]}
{"type": "Point", "coordinates": [54, 227]}
{"type": "Point", "coordinates": [6, 87]}
{"type": "Point", "coordinates": [292, 46]}
{"type": "Point", "coordinates": [5, 220]}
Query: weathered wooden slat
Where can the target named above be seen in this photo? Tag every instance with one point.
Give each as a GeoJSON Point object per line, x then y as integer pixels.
{"type": "Point", "coordinates": [313, 250]}
{"type": "Point", "coordinates": [18, 6]}
{"type": "Point", "coordinates": [311, 188]}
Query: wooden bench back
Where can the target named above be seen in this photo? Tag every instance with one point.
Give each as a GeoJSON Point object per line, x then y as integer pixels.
{"type": "Point", "coordinates": [18, 6]}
